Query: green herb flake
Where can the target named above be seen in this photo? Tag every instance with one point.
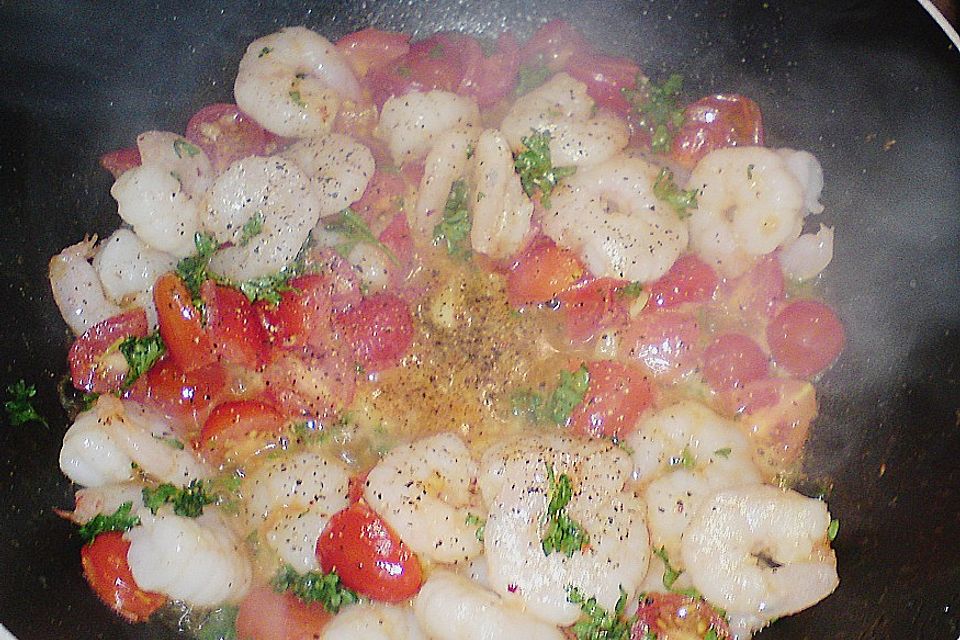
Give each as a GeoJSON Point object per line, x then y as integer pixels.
{"type": "Point", "coordinates": [119, 520]}
{"type": "Point", "coordinates": [455, 226]}
{"type": "Point", "coordinates": [664, 188]}
{"type": "Point", "coordinates": [251, 228]}
{"type": "Point", "coordinates": [473, 520]}
{"type": "Point", "coordinates": [193, 269]}
{"type": "Point", "coordinates": [20, 407]}
{"type": "Point", "coordinates": [596, 623]}
{"type": "Point", "coordinates": [264, 51]}
{"type": "Point", "coordinates": [670, 574]}
{"type": "Point", "coordinates": [561, 532]}
{"type": "Point", "coordinates": [723, 453]}
{"type": "Point", "coordinates": [711, 634]}
{"type": "Point", "coordinates": [658, 109]}
{"type": "Point", "coordinates": [314, 586]}
{"type": "Point", "coordinates": [530, 77]}
{"type": "Point", "coordinates": [181, 147]}
{"type": "Point", "coordinates": [436, 52]}
{"type": "Point", "coordinates": [173, 443]}
{"type": "Point", "coordinates": [527, 404]}
{"type": "Point", "coordinates": [536, 169]}
{"type": "Point", "coordinates": [569, 393]}
{"type": "Point", "coordinates": [833, 529]}
{"type": "Point", "coordinates": [220, 624]}
{"type": "Point", "coordinates": [631, 290]}
{"type": "Point", "coordinates": [297, 99]}
{"type": "Point", "coordinates": [750, 171]}
{"type": "Point", "coordinates": [686, 459]}
{"type": "Point", "coordinates": [353, 230]}
{"type": "Point", "coordinates": [140, 354]}
{"type": "Point", "coordinates": [268, 288]}
{"type": "Point", "coordinates": [403, 71]}
{"type": "Point", "coordinates": [187, 501]}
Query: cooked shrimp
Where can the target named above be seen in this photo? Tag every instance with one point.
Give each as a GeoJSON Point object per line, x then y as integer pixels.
{"type": "Point", "coordinates": [447, 162]}
{"type": "Point", "coordinates": [338, 166]}
{"type": "Point", "coordinates": [411, 123]}
{"type": "Point", "coordinates": [290, 500]}
{"type": "Point", "coordinates": [128, 268]}
{"type": "Point", "coordinates": [807, 170]}
{"type": "Point", "coordinates": [77, 289]}
{"type": "Point", "coordinates": [450, 607]}
{"type": "Point", "coordinates": [273, 193]}
{"type": "Point", "coordinates": [760, 551]}
{"type": "Point", "coordinates": [102, 444]}
{"type": "Point", "coordinates": [106, 498]}
{"type": "Point", "coordinates": [176, 155]}
{"type": "Point", "coordinates": [684, 452]}
{"type": "Point", "coordinates": [749, 203]}
{"type": "Point", "coordinates": [513, 482]}
{"type": "Point", "coordinates": [197, 560]}
{"type": "Point", "coordinates": [500, 209]}
{"type": "Point", "coordinates": [806, 256]}
{"type": "Point", "coordinates": [423, 492]}
{"type": "Point", "coordinates": [609, 215]}
{"type": "Point", "coordinates": [374, 621]}
{"type": "Point", "coordinates": [292, 82]}
{"type": "Point", "coordinates": [562, 108]}
{"type": "Point", "coordinates": [162, 214]}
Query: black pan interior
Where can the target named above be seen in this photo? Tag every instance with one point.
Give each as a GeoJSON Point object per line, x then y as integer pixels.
{"type": "Point", "coordinates": [873, 89]}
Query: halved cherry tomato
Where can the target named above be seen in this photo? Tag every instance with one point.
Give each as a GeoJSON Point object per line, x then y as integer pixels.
{"type": "Point", "coordinates": [435, 63]}
{"type": "Point", "coordinates": [236, 420]}
{"type": "Point", "coordinates": [592, 306]}
{"type": "Point", "coordinates": [754, 296]}
{"type": "Point", "coordinates": [304, 315]}
{"type": "Point", "coordinates": [541, 273]}
{"type": "Point", "coordinates": [675, 615]}
{"type": "Point", "coordinates": [665, 343]}
{"type": "Point", "coordinates": [379, 330]}
{"type": "Point", "coordinates": [233, 325]}
{"type": "Point", "coordinates": [776, 416]}
{"type": "Point", "coordinates": [491, 78]}
{"type": "Point", "coordinates": [90, 367]}
{"type": "Point", "coordinates": [226, 134]}
{"type": "Point", "coordinates": [715, 122]}
{"type": "Point", "coordinates": [372, 48]}
{"type": "Point", "coordinates": [805, 337]}
{"type": "Point", "coordinates": [605, 77]}
{"type": "Point", "coordinates": [368, 556]}
{"type": "Point", "coordinates": [181, 326]}
{"type": "Point", "coordinates": [552, 45]}
{"type": "Point", "coordinates": [302, 385]}
{"type": "Point", "coordinates": [120, 161]}
{"type": "Point", "coordinates": [181, 394]}
{"type": "Point", "coordinates": [267, 615]}
{"type": "Point", "coordinates": [732, 360]}
{"type": "Point", "coordinates": [106, 569]}
{"type": "Point", "coordinates": [688, 280]}
{"type": "Point", "coordinates": [616, 396]}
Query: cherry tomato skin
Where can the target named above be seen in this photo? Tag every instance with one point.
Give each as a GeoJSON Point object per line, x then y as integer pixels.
{"type": "Point", "coordinates": [304, 315]}
{"type": "Point", "coordinates": [226, 134]}
{"type": "Point", "coordinates": [302, 385]}
{"type": "Point", "coordinates": [688, 280]}
{"type": "Point", "coordinates": [434, 63]}
{"type": "Point", "coordinates": [184, 395]}
{"type": "Point", "coordinates": [805, 337]}
{"type": "Point", "coordinates": [776, 415]}
{"type": "Point", "coordinates": [756, 295]}
{"type": "Point", "coordinates": [181, 327]}
{"type": "Point", "coordinates": [265, 614]}
{"type": "Point", "coordinates": [552, 45]}
{"type": "Point", "coordinates": [235, 330]}
{"type": "Point", "coordinates": [379, 330]}
{"type": "Point", "coordinates": [716, 122]}
{"type": "Point", "coordinates": [120, 161]}
{"type": "Point", "coordinates": [541, 273]}
{"type": "Point", "coordinates": [591, 306]}
{"type": "Point", "coordinates": [106, 569]}
{"type": "Point", "coordinates": [732, 360]}
{"type": "Point", "coordinates": [372, 48]}
{"type": "Point", "coordinates": [679, 616]}
{"type": "Point", "coordinates": [665, 343]}
{"type": "Point", "coordinates": [89, 369]}
{"type": "Point", "coordinates": [491, 78]}
{"type": "Point", "coordinates": [616, 397]}
{"type": "Point", "coordinates": [237, 419]}
{"type": "Point", "coordinates": [605, 77]}
{"type": "Point", "coordinates": [368, 556]}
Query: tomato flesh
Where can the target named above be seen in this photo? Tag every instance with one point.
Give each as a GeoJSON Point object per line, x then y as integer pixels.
{"type": "Point", "coordinates": [665, 343]}
{"type": "Point", "coordinates": [265, 614]}
{"type": "Point", "coordinates": [688, 280]}
{"type": "Point", "coordinates": [616, 397]}
{"type": "Point", "coordinates": [805, 337]}
{"type": "Point", "coordinates": [605, 77]}
{"type": "Point", "coordinates": [733, 360]}
{"type": "Point", "coordinates": [552, 45]}
{"type": "Point", "coordinates": [372, 48]}
{"type": "Point", "coordinates": [233, 325]}
{"type": "Point", "coordinates": [591, 306]}
{"type": "Point", "coordinates": [181, 326]}
{"type": "Point", "coordinates": [106, 569]}
{"type": "Point", "coordinates": [120, 161]}
{"type": "Point", "coordinates": [715, 122]}
{"type": "Point", "coordinates": [236, 420]}
{"type": "Point", "coordinates": [226, 135]}
{"type": "Point", "coordinates": [368, 556]}
{"type": "Point", "coordinates": [541, 273]}
{"type": "Point", "coordinates": [91, 368]}
{"type": "Point", "coordinates": [184, 395]}
{"type": "Point", "coordinates": [379, 330]}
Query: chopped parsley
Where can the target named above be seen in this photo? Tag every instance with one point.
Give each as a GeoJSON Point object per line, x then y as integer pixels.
{"type": "Point", "coordinates": [664, 188]}
{"type": "Point", "coordinates": [268, 288]}
{"type": "Point", "coordinates": [536, 169]}
{"type": "Point", "coordinates": [193, 269]}
{"type": "Point", "coordinates": [658, 108]}
{"type": "Point", "coordinates": [436, 52]}
{"type": "Point", "coordinates": [251, 228]}
{"type": "Point", "coordinates": [833, 529]}
{"type": "Point", "coordinates": [220, 624]}
{"type": "Point", "coordinates": [455, 226]}
{"type": "Point", "coordinates": [686, 459]}
{"type": "Point", "coordinates": [473, 520]}
{"type": "Point", "coordinates": [353, 230]}
{"type": "Point", "coordinates": [596, 623]}
{"type": "Point", "coordinates": [119, 520]}
{"type": "Point", "coordinates": [631, 290]}
{"type": "Point", "coordinates": [531, 77]}
{"type": "Point", "coordinates": [187, 501]}
{"type": "Point", "coordinates": [723, 453]}
{"type": "Point", "coordinates": [314, 586]}
{"type": "Point", "coordinates": [297, 99]}
{"type": "Point", "coordinates": [20, 405]}
{"type": "Point", "coordinates": [570, 390]}
{"type": "Point", "coordinates": [264, 51]}
{"type": "Point", "coordinates": [181, 147]}
{"type": "Point", "coordinates": [561, 532]}
{"type": "Point", "coordinates": [140, 354]}
{"type": "Point", "coordinates": [670, 574]}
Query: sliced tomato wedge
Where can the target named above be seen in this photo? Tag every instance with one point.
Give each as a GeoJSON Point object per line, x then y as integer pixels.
{"type": "Point", "coordinates": [605, 77]}
{"type": "Point", "coordinates": [672, 615]}
{"type": "Point", "coordinates": [235, 421]}
{"type": "Point", "coordinates": [805, 337]}
{"type": "Point", "coordinates": [184, 395]}
{"type": "Point", "coordinates": [368, 556]}
{"type": "Point", "coordinates": [371, 48]}
{"type": "Point", "coordinates": [616, 397]}
{"type": "Point", "coordinates": [303, 317]}
{"type": "Point", "coordinates": [378, 330]}
{"type": "Point", "coordinates": [265, 614]}
{"type": "Point", "coordinates": [754, 297]}
{"type": "Point", "coordinates": [776, 414]}
{"type": "Point", "coordinates": [120, 161]}
{"type": "Point", "coordinates": [438, 62]}
{"type": "Point", "coordinates": [688, 280]}
{"type": "Point", "coordinates": [181, 326]}
{"type": "Point", "coordinates": [716, 122]}
{"type": "Point", "coordinates": [226, 134]}
{"type": "Point", "coordinates": [553, 45]}
{"type": "Point", "coordinates": [234, 327]}
{"type": "Point", "coordinates": [542, 272]}
{"type": "Point", "coordinates": [92, 368]}
{"type": "Point", "coordinates": [106, 569]}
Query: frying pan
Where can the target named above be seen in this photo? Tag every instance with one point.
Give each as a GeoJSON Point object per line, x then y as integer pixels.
{"type": "Point", "coordinates": [872, 88]}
